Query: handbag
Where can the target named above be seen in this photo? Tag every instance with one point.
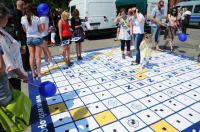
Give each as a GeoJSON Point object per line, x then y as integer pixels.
{"type": "Point", "coordinates": [15, 116]}
{"type": "Point", "coordinates": [79, 33]}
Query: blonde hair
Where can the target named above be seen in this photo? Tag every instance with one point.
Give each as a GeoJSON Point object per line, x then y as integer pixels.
{"type": "Point", "coordinates": [65, 15]}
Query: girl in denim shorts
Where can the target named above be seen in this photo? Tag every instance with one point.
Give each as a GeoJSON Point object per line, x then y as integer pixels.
{"type": "Point", "coordinates": [33, 28]}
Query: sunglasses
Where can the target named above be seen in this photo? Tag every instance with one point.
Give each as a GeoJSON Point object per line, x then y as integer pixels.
{"type": "Point", "coordinates": [161, 5]}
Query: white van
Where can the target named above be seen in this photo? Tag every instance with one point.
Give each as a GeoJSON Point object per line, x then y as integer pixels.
{"type": "Point", "coordinates": [98, 15]}
{"type": "Point", "coordinates": [194, 7]}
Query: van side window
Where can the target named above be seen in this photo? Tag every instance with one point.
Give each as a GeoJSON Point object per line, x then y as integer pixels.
{"type": "Point", "coordinates": [189, 7]}
{"type": "Point", "coordinates": [197, 9]}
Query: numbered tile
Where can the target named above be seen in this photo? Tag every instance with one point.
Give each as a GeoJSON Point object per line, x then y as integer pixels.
{"type": "Point", "coordinates": [61, 118]}
{"type": "Point", "coordinates": [96, 107]}
{"type": "Point", "coordinates": [89, 99]}
{"type": "Point", "coordinates": [174, 105]}
{"type": "Point", "coordinates": [66, 128]}
{"type": "Point", "coordinates": [86, 124]}
{"type": "Point", "coordinates": [148, 116]}
{"type": "Point", "coordinates": [97, 88]}
{"type": "Point", "coordinates": [71, 104]}
{"type": "Point", "coordinates": [103, 95]}
{"type": "Point", "coordinates": [136, 106]}
{"type": "Point", "coordinates": [116, 91]}
{"type": "Point", "coordinates": [190, 115]}
{"type": "Point", "coordinates": [178, 122]}
{"type": "Point", "coordinates": [132, 123]}
{"type": "Point", "coordinates": [125, 98]}
{"type": "Point", "coordinates": [121, 112]}
{"type": "Point", "coordinates": [149, 101]}
{"type": "Point", "coordinates": [162, 111]}
{"type": "Point", "coordinates": [114, 127]}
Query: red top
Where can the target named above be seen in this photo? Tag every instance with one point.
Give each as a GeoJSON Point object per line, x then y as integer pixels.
{"type": "Point", "coordinates": [65, 29]}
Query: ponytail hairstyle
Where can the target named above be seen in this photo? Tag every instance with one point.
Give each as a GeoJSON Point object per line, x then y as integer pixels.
{"type": "Point", "coordinates": [29, 12]}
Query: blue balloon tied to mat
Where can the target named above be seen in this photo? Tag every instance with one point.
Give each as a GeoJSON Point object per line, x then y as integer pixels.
{"type": "Point", "coordinates": [43, 9]}
{"type": "Point", "coordinates": [182, 37]}
{"type": "Point", "coordinates": [47, 89]}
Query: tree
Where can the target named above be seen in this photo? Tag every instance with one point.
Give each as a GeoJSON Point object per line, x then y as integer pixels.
{"type": "Point", "coordinates": [61, 4]}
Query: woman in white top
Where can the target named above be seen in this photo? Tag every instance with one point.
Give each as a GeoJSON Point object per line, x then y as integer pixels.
{"type": "Point", "coordinates": [124, 34]}
{"type": "Point", "coordinates": [12, 55]}
{"type": "Point", "coordinates": [137, 30]}
{"type": "Point", "coordinates": [171, 28]}
{"type": "Point", "coordinates": [33, 28]}
{"type": "Point", "coordinates": [47, 54]}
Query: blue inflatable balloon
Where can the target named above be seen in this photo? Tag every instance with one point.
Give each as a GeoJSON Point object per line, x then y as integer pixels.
{"type": "Point", "coordinates": [47, 89]}
{"type": "Point", "coordinates": [182, 37]}
{"type": "Point", "coordinates": [43, 9]}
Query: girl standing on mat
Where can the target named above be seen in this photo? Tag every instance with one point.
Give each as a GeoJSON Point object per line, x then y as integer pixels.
{"type": "Point", "coordinates": [77, 32]}
{"type": "Point", "coordinates": [65, 37]}
{"type": "Point", "coordinates": [47, 54]}
{"type": "Point", "coordinates": [124, 34]}
{"type": "Point", "coordinates": [33, 28]}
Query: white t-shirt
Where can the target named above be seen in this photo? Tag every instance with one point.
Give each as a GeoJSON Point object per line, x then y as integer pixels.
{"type": "Point", "coordinates": [45, 20]}
{"type": "Point", "coordinates": [124, 33]}
{"type": "Point", "coordinates": [31, 30]}
{"type": "Point", "coordinates": [138, 27]}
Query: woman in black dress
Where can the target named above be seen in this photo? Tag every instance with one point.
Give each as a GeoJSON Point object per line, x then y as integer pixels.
{"type": "Point", "coordinates": [77, 32]}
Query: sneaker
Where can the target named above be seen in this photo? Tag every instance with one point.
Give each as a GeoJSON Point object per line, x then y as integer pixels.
{"type": "Point", "coordinates": [70, 64]}
{"type": "Point", "coordinates": [134, 63]}
{"type": "Point", "coordinates": [79, 58]}
{"type": "Point", "coordinates": [123, 56]}
{"type": "Point", "coordinates": [129, 55]}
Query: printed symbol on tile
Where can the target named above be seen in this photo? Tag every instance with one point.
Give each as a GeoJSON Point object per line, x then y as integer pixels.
{"type": "Point", "coordinates": [79, 113]}
{"type": "Point", "coordinates": [105, 118]}
{"type": "Point", "coordinates": [137, 106]}
{"type": "Point", "coordinates": [171, 92]}
{"type": "Point", "coordinates": [112, 103]}
{"type": "Point", "coordinates": [133, 123]}
{"type": "Point", "coordinates": [163, 126]}
{"type": "Point", "coordinates": [57, 108]}
{"type": "Point", "coordinates": [140, 76]}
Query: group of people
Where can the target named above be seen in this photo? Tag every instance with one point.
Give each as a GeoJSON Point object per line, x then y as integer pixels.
{"type": "Point", "coordinates": [131, 29]}
{"type": "Point", "coordinates": [23, 50]}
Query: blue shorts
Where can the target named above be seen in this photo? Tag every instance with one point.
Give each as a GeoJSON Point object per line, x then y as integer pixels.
{"type": "Point", "coordinates": [34, 41]}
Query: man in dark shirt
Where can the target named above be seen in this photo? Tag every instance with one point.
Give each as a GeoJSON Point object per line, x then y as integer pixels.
{"type": "Point", "coordinates": [20, 35]}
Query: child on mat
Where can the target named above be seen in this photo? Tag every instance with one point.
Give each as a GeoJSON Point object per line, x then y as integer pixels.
{"type": "Point", "coordinates": [145, 50]}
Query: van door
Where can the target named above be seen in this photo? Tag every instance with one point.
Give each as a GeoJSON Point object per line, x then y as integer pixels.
{"type": "Point", "coordinates": [101, 14]}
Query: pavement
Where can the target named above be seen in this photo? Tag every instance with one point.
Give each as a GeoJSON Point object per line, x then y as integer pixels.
{"type": "Point", "coordinates": [189, 48]}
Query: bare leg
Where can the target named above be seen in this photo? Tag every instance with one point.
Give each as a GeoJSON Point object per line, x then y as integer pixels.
{"type": "Point", "coordinates": [47, 52]}
{"type": "Point", "coordinates": [64, 48]}
{"type": "Point", "coordinates": [68, 53]}
{"type": "Point", "coordinates": [31, 58]}
{"type": "Point", "coordinates": [38, 59]}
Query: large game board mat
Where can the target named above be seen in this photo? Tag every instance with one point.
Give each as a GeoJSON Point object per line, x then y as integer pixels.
{"type": "Point", "coordinates": [106, 93]}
